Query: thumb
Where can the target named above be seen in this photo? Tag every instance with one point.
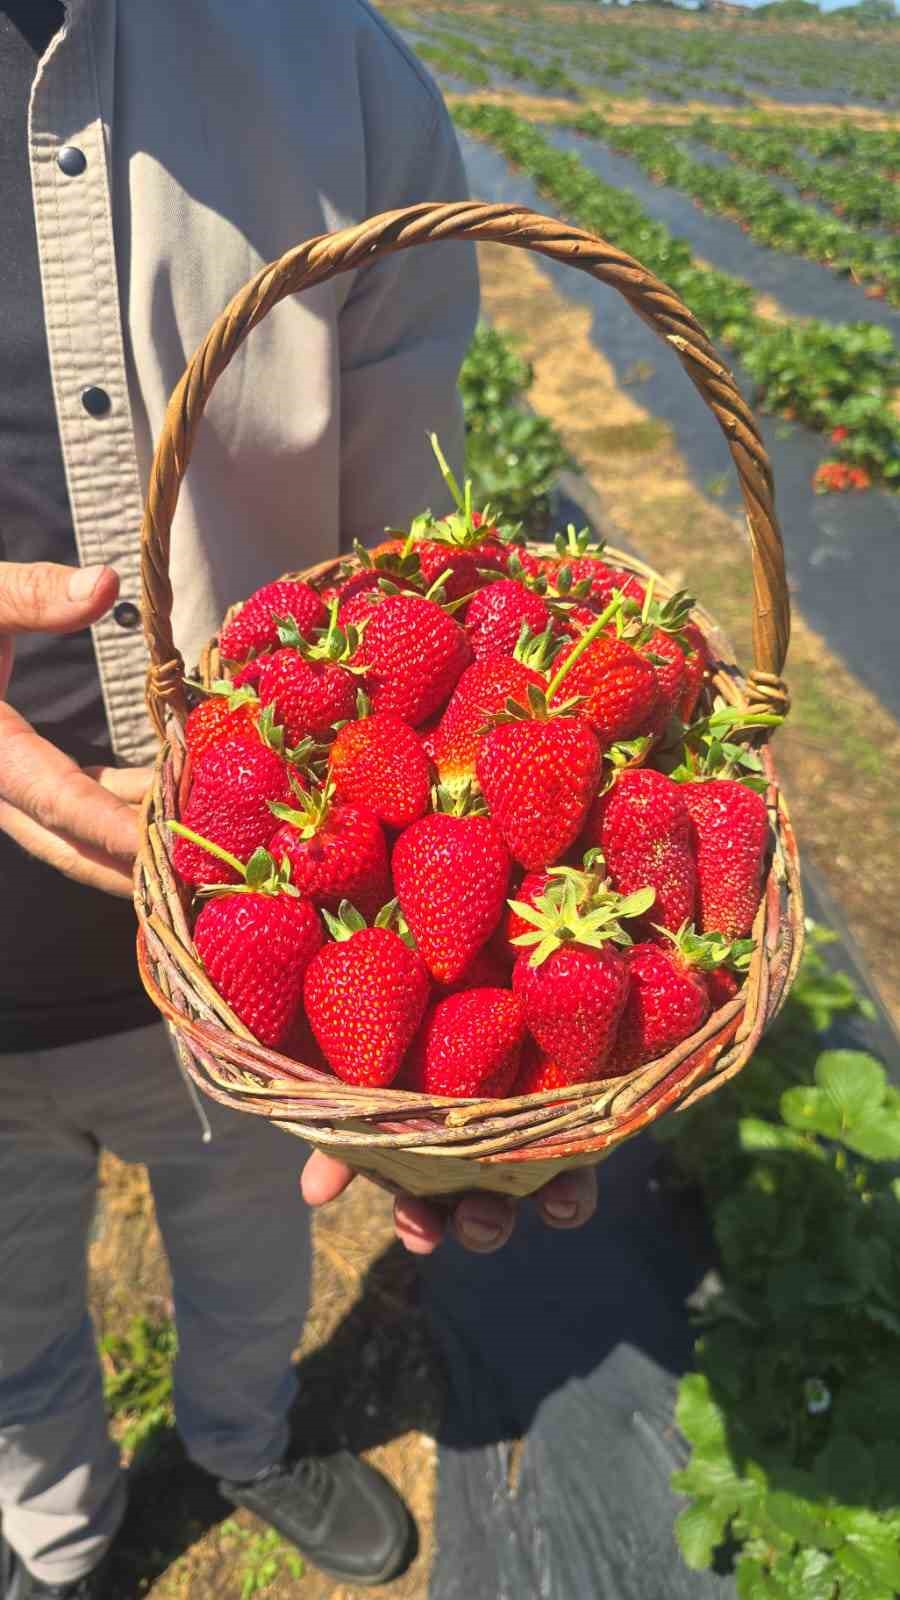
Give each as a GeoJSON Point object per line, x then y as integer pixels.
{"type": "Point", "coordinates": [41, 597]}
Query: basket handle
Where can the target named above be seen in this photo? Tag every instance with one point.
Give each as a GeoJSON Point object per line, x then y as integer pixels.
{"type": "Point", "coordinates": [324, 257]}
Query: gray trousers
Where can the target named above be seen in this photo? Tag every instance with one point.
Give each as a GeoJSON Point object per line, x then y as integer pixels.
{"type": "Point", "coordinates": [237, 1236]}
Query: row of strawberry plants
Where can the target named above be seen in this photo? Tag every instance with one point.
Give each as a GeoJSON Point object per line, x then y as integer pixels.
{"type": "Point", "coordinates": [850, 187]}
{"type": "Point", "coordinates": [792, 1415]}
{"type": "Point", "coordinates": [462, 57]}
{"type": "Point", "coordinates": [513, 455]}
{"type": "Point", "coordinates": [769, 216]}
{"type": "Point", "coordinates": [831, 376]}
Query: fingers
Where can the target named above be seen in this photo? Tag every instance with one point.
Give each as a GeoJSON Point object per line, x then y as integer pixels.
{"type": "Point", "coordinates": [69, 856]}
{"type": "Point", "coordinates": [484, 1222]}
{"type": "Point", "coordinates": [570, 1200]}
{"type": "Point", "coordinates": [419, 1226]}
{"type": "Point", "coordinates": [50, 789]}
{"type": "Point", "coordinates": [41, 597]}
{"type": "Point", "coordinates": [323, 1179]}
{"type": "Point", "coordinates": [126, 783]}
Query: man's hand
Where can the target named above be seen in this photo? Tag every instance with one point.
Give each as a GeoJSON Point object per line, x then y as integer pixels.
{"type": "Point", "coordinates": [480, 1221]}
{"type": "Point", "coordinates": [82, 822]}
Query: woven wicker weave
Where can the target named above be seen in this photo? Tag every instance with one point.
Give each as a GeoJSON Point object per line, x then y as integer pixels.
{"type": "Point", "coordinates": [432, 1145]}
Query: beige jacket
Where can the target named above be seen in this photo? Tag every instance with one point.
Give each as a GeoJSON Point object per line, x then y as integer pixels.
{"type": "Point", "coordinates": [217, 134]}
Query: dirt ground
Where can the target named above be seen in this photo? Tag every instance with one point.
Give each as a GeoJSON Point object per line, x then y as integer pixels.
{"type": "Point", "coordinates": [370, 1380]}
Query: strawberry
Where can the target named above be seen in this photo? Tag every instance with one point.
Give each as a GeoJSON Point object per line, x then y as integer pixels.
{"type": "Point", "coordinates": [722, 986]}
{"type": "Point", "coordinates": [642, 826]}
{"type": "Point", "coordinates": [256, 943]}
{"type": "Point", "coordinates": [730, 835]}
{"type": "Point", "coordinates": [539, 773]}
{"type": "Point", "coordinates": [379, 762]}
{"type": "Point", "coordinates": [696, 666]}
{"type": "Point", "coordinates": [256, 625]}
{"type": "Point", "coordinates": [337, 852]}
{"type": "Point", "coordinates": [456, 567]}
{"type": "Point", "coordinates": [486, 970]}
{"type": "Point", "coordinates": [668, 999]}
{"type": "Point", "coordinates": [496, 616]}
{"type": "Point", "coordinates": [484, 689]}
{"type": "Point", "coordinates": [667, 659]}
{"type": "Point", "coordinates": [413, 653]}
{"type": "Point", "coordinates": [618, 685]}
{"type": "Point", "coordinates": [578, 566]}
{"type": "Point", "coordinates": [450, 875]}
{"type": "Point", "coordinates": [233, 784]}
{"type": "Point", "coordinates": [469, 1044]}
{"type": "Point", "coordinates": [308, 697]}
{"type": "Point", "coordinates": [365, 995]}
{"type": "Point", "coordinates": [215, 719]}
{"type": "Point", "coordinates": [538, 1072]}
{"type": "Point", "coordinates": [247, 676]}
{"type": "Point", "coordinates": [572, 980]}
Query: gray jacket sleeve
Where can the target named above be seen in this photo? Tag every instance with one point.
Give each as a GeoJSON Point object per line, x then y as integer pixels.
{"type": "Point", "coordinates": [406, 325]}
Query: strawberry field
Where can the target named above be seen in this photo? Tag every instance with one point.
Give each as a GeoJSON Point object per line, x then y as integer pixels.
{"type": "Point", "coordinates": [745, 1254]}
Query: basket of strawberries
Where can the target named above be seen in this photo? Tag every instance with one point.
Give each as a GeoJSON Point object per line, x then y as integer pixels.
{"type": "Point", "coordinates": [465, 856]}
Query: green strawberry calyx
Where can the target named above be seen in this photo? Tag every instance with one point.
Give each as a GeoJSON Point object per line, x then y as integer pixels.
{"type": "Point", "coordinates": [576, 543]}
{"type": "Point", "coordinates": [261, 873]}
{"type": "Point", "coordinates": [333, 643]}
{"type": "Point", "coordinates": [461, 799]}
{"type": "Point", "coordinates": [398, 563]}
{"type": "Point", "coordinates": [561, 917]}
{"type": "Point", "coordinates": [708, 950]}
{"type": "Point", "coordinates": [311, 812]}
{"type": "Point", "coordinates": [537, 650]}
{"type": "Point", "coordinates": [711, 751]}
{"type": "Point", "coordinates": [349, 921]}
{"type": "Point", "coordinates": [225, 689]}
{"type": "Point", "coordinates": [536, 709]}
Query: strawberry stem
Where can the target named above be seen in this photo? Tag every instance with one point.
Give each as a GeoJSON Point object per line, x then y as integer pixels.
{"type": "Point", "coordinates": [207, 844]}
{"type": "Point", "coordinates": [587, 638]}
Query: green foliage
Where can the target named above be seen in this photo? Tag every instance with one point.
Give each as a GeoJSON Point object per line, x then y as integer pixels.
{"type": "Point", "coordinates": [512, 455]}
{"type": "Point", "coordinates": [138, 1380]}
{"type": "Point", "coordinates": [827, 375]}
{"type": "Point", "coordinates": [266, 1557]}
{"type": "Point", "coordinates": [851, 187]}
{"type": "Point", "coordinates": [794, 1412]}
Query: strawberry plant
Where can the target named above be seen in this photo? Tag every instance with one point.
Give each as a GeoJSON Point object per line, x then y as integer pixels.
{"type": "Point", "coordinates": [513, 455]}
{"type": "Point", "coordinates": [826, 375]}
{"type": "Point", "coordinates": [792, 1413]}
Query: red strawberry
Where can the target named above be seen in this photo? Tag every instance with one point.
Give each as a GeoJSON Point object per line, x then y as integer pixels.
{"type": "Point", "coordinates": [486, 970]}
{"type": "Point", "coordinates": [379, 762]}
{"type": "Point", "coordinates": [539, 774]}
{"type": "Point", "coordinates": [483, 690]}
{"type": "Point", "coordinates": [670, 672]}
{"type": "Point", "coordinates": [248, 675]}
{"type": "Point", "coordinates": [256, 944]}
{"type": "Point", "coordinates": [730, 834]}
{"type": "Point", "coordinates": [308, 696]}
{"type": "Point", "coordinates": [668, 1000]}
{"type": "Point", "coordinates": [216, 719]}
{"type": "Point", "coordinates": [496, 616]}
{"type": "Point", "coordinates": [572, 980]}
{"type": "Point", "coordinates": [618, 686]}
{"type": "Point", "coordinates": [337, 852]}
{"type": "Point", "coordinates": [256, 625]}
{"type": "Point", "coordinates": [414, 653]}
{"type": "Point", "coordinates": [451, 875]}
{"type": "Point", "coordinates": [365, 995]}
{"type": "Point", "coordinates": [538, 1072]}
{"type": "Point", "coordinates": [722, 986]}
{"type": "Point", "coordinates": [229, 803]}
{"type": "Point", "coordinates": [470, 1044]}
{"type": "Point", "coordinates": [641, 824]}
{"type": "Point", "coordinates": [696, 666]}
{"type": "Point", "coordinates": [456, 566]}
{"type": "Point", "coordinates": [573, 1003]}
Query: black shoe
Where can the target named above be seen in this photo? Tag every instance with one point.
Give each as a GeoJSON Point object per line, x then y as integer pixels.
{"type": "Point", "coordinates": [17, 1583]}
{"type": "Point", "coordinates": [340, 1513]}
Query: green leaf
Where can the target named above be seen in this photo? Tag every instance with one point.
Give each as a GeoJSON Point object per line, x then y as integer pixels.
{"type": "Point", "coordinates": [697, 1414]}
{"type": "Point", "coordinates": [753, 1582]}
{"type": "Point", "coordinates": [809, 1109]}
{"type": "Point", "coordinates": [853, 1081]}
{"type": "Point", "coordinates": [699, 1530]}
{"type": "Point", "coordinates": [875, 1558]}
{"type": "Point", "coordinates": [802, 1521]}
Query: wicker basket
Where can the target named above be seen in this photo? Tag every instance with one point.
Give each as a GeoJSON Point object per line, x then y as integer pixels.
{"type": "Point", "coordinates": [433, 1145]}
